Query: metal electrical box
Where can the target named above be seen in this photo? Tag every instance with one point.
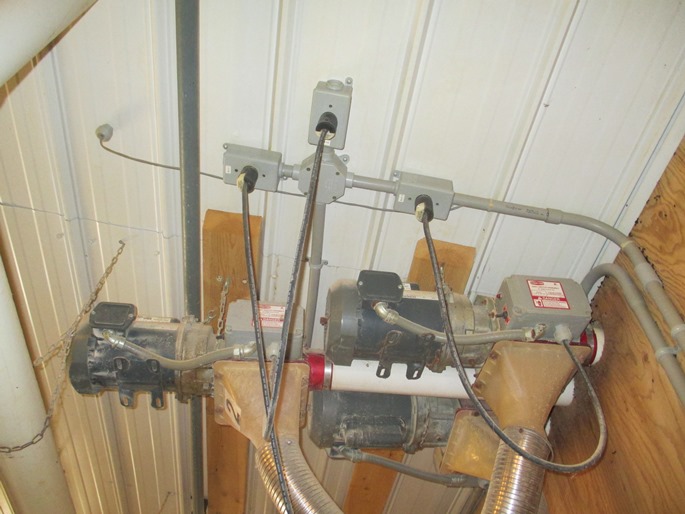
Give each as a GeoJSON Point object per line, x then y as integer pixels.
{"type": "Point", "coordinates": [336, 97]}
{"type": "Point", "coordinates": [240, 327]}
{"type": "Point", "coordinates": [523, 302]}
{"type": "Point", "coordinates": [267, 163]}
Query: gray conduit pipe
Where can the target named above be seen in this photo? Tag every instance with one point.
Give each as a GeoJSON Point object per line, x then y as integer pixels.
{"type": "Point", "coordinates": [315, 265]}
{"type": "Point", "coordinates": [663, 352]}
{"type": "Point", "coordinates": [306, 493]}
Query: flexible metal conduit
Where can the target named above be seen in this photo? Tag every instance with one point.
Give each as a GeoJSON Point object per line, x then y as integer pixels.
{"type": "Point", "coordinates": [516, 484]}
{"type": "Point", "coordinates": [306, 493]}
{"type": "Point", "coordinates": [663, 352]}
{"type": "Point", "coordinates": [178, 364]}
{"type": "Point", "coordinates": [392, 317]}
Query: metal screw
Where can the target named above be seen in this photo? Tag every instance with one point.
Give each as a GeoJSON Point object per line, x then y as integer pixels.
{"type": "Point", "coordinates": [219, 278]}
{"type": "Point", "coordinates": [225, 146]}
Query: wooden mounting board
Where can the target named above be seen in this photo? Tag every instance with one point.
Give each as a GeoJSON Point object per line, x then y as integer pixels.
{"type": "Point", "coordinates": [223, 257]}
{"type": "Point", "coordinates": [643, 468]}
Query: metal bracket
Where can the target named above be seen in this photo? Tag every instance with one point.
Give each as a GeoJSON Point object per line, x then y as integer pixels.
{"type": "Point", "coordinates": [392, 352]}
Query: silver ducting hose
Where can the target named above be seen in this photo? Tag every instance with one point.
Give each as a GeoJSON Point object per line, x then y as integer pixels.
{"type": "Point", "coordinates": [306, 493]}
{"type": "Point", "coordinates": [516, 484]}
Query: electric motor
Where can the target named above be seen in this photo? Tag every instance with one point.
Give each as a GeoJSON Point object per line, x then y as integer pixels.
{"type": "Point", "coordinates": [95, 365]}
{"type": "Point", "coordinates": [353, 330]}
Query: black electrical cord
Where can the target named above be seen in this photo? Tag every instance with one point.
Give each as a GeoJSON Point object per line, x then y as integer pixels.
{"type": "Point", "coordinates": [254, 302]}
{"type": "Point", "coordinates": [277, 370]}
{"type": "Point", "coordinates": [426, 216]}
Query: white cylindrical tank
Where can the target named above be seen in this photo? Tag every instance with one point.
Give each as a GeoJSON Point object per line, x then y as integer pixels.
{"type": "Point", "coordinates": [33, 477]}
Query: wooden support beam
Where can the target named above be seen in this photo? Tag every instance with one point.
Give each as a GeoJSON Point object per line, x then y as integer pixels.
{"type": "Point", "coordinates": [224, 258]}
{"type": "Point", "coordinates": [642, 469]}
{"type": "Point", "coordinates": [371, 485]}
{"type": "Point", "coordinates": [455, 260]}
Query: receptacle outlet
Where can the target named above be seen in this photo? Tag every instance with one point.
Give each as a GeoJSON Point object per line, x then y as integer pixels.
{"type": "Point", "coordinates": [336, 97]}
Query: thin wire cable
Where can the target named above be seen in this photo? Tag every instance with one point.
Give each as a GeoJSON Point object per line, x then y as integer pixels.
{"type": "Point", "coordinates": [150, 163]}
{"type": "Point", "coordinates": [452, 347]}
{"type": "Point", "coordinates": [277, 370]}
{"type": "Point", "coordinates": [257, 323]}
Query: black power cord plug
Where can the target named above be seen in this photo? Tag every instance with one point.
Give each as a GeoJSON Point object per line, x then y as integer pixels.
{"type": "Point", "coordinates": [248, 176]}
{"type": "Point", "coordinates": [423, 204]}
{"type": "Point", "coordinates": [327, 121]}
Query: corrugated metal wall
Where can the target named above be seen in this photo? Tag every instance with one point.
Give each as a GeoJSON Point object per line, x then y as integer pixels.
{"type": "Point", "coordinates": [575, 105]}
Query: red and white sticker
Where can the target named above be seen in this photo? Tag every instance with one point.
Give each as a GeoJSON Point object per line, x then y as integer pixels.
{"type": "Point", "coordinates": [547, 294]}
{"type": "Point", "coordinates": [271, 316]}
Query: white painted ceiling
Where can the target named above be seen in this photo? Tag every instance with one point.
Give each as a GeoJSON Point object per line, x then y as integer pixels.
{"type": "Point", "coordinates": [575, 105]}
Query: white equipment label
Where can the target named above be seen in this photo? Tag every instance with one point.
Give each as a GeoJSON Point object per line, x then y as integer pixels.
{"type": "Point", "coordinates": [271, 316]}
{"type": "Point", "coordinates": [547, 294]}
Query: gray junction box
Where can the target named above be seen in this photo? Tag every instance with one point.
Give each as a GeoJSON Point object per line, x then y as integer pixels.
{"type": "Point", "coordinates": [524, 301]}
{"type": "Point", "coordinates": [240, 329]}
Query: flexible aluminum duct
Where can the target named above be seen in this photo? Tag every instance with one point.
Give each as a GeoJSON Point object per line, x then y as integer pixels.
{"type": "Point", "coordinates": [306, 493]}
{"type": "Point", "coordinates": [516, 484]}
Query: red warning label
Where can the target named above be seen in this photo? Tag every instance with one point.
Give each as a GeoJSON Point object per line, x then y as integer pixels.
{"type": "Point", "coordinates": [271, 316]}
{"type": "Point", "coordinates": [547, 294]}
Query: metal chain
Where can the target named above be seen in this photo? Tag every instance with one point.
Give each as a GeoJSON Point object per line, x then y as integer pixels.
{"type": "Point", "coordinates": [221, 323]}
{"type": "Point", "coordinates": [62, 346]}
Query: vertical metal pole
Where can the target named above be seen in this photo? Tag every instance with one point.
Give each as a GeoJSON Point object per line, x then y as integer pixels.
{"type": "Point", "coordinates": [188, 71]}
{"type": "Point", "coordinates": [315, 265]}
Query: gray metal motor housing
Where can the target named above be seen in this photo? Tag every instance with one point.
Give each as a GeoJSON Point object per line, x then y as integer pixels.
{"type": "Point", "coordinates": [373, 420]}
{"type": "Point", "coordinates": [353, 330]}
{"type": "Point", "coordinates": [95, 365]}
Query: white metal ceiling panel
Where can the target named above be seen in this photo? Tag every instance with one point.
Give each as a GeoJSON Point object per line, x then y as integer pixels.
{"type": "Point", "coordinates": [482, 75]}
{"type": "Point", "coordinates": [619, 83]}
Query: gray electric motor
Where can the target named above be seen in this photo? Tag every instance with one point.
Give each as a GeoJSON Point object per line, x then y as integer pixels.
{"type": "Point", "coordinates": [353, 330]}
